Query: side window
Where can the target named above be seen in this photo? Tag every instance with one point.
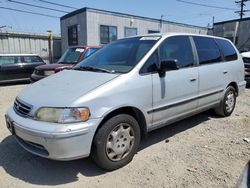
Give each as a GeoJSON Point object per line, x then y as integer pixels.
{"type": "Point", "coordinates": [7, 60]}
{"type": "Point", "coordinates": [178, 48]}
{"type": "Point", "coordinates": [227, 49]}
{"type": "Point", "coordinates": [207, 49]}
{"type": "Point", "coordinates": [31, 59]}
{"type": "Point", "coordinates": [90, 51]}
{"type": "Point", "coordinates": [151, 64]}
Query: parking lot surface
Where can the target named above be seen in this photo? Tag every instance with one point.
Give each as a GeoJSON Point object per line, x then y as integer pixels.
{"type": "Point", "coordinates": [201, 151]}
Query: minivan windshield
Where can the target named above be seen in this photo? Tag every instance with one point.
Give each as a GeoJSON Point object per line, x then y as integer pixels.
{"type": "Point", "coordinates": [120, 56]}
{"type": "Point", "coordinates": [71, 56]}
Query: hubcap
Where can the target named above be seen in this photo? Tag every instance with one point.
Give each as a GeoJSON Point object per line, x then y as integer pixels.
{"type": "Point", "coordinates": [230, 100]}
{"type": "Point", "coordinates": [120, 142]}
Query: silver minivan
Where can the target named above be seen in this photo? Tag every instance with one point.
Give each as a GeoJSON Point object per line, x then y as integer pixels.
{"type": "Point", "coordinates": [130, 87]}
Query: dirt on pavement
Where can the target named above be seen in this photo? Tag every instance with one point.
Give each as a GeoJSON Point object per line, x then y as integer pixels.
{"type": "Point", "coordinates": [201, 151]}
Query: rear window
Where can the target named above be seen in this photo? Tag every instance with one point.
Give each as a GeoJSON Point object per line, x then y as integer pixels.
{"type": "Point", "coordinates": [208, 51]}
{"type": "Point", "coordinates": [227, 49]}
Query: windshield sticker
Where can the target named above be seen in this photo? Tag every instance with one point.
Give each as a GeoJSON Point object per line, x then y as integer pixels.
{"type": "Point", "coordinates": [79, 50]}
{"type": "Point", "coordinates": [149, 38]}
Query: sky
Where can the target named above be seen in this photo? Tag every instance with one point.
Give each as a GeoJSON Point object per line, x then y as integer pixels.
{"type": "Point", "coordinates": [172, 10]}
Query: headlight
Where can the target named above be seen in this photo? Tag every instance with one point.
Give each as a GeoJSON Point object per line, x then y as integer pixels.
{"type": "Point", "coordinates": [48, 73]}
{"type": "Point", "coordinates": [62, 115]}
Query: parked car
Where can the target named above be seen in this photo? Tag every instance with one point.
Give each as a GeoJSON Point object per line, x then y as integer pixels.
{"type": "Point", "coordinates": [246, 59]}
{"type": "Point", "coordinates": [69, 59]}
{"type": "Point", "coordinates": [130, 87]}
{"type": "Point", "coordinates": [18, 67]}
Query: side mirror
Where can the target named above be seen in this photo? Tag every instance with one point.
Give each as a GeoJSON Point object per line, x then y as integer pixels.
{"type": "Point", "coordinates": [168, 65]}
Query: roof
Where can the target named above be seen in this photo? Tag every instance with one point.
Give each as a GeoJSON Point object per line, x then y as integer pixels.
{"type": "Point", "coordinates": [85, 9]}
{"type": "Point", "coordinates": [230, 21]}
{"type": "Point", "coordinates": [32, 35]}
{"type": "Point", "coordinates": [169, 34]}
{"type": "Point", "coordinates": [19, 55]}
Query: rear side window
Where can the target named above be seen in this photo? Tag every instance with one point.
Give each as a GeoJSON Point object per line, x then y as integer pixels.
{"type": "Point", "coordinates": [7, 60]}
{"type": "Point", "coordinates": [227, 49]}
{"type": "Point", "coordinates": [207, 49]}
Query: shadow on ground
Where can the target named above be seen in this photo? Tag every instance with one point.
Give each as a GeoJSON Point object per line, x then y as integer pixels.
{"type": "Point", "coordinates": [39, 171]}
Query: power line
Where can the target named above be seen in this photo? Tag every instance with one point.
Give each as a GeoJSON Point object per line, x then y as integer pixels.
{"type": "Point", "coordinates": [57, 4]}
{"type": "Point", "coordinates": [37, 6]}
{"type": "Point", "coordinates": [28, 12]}
{"type": "Point", "coordinates": [242, 4]}
{"type": "Point", "coordinates": [205, 5]}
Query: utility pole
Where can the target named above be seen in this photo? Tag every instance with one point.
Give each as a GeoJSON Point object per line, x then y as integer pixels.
{"type": "Point", "coordinates": [242, 4]}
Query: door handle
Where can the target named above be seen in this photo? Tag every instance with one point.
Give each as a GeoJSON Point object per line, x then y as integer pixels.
{"type": "Point", "coordinates": [192, 79]}
{"type": "Point", "coordinates": [224, 72]}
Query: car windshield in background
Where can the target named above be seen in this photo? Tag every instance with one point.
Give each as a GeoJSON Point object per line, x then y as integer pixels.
{"type": "Point", "coordinates": [120, 56]}
{"type": "Point", "coordinates": [71, 56]}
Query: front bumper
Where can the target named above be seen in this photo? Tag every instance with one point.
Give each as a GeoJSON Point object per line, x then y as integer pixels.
{"type": "Point", "coordinates": [58, 142]}
{"type": "Point", "coordinates": [35, 77]}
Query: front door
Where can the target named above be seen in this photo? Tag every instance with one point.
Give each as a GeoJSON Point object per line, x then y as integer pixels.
{"type": "Point", "coordinates": [176, 93]}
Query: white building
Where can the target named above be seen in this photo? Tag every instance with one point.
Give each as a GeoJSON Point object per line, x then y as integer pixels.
{"type": "Point", "coordinates": [88, 26]}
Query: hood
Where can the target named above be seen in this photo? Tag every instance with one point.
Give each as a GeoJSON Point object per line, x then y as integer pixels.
{"type": "Point", "coordinates": [54, 66]}
{"type": "Point", "coordinates": [63, 88]}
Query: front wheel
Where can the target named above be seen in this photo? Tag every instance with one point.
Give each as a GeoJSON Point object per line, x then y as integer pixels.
{"type": "Point", "coordinates": [227, 105]}
{"type": "Point", "coordinates": [116, 142]}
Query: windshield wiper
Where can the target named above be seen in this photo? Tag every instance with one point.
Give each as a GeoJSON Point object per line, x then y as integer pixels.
{"type": "Point", "coordinates": [94, 69]}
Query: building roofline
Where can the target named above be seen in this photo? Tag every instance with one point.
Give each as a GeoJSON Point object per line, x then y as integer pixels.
{"type": "Point", "coordinates": [31, 35]}
{"type": "Point", "coordinates": [85, 9]}
{"type": "Point", "coordinates": [229, 21]}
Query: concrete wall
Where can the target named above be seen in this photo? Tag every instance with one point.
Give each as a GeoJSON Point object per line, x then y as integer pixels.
{"type": "Point", "coordinates": [19, 43]}
{"type": "Point", "coordinates": [90, 20]}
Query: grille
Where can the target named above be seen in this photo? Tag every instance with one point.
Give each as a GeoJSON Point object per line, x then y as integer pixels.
{"type": "Point", "coordinates": [39, 72]}
{"type": "Point", "coordinates": [247, 67]}
{"type": "Point", "coordinates": [22, 108]}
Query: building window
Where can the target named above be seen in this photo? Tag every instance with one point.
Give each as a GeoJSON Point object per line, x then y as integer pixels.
{"type": "Point", "coordinates": [153, 31]}
{"type": "Point", "coordinates": [107, 34]}
{"type": "Point", "coordinates": [130, 31]}
{"type": "Point", "coordinates": [72, 35]}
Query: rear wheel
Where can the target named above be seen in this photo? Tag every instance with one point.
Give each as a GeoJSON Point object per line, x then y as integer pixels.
{"type": "Point", "coordinates": [116, 142]}
{"type": "Point", "coordinates": [227, 105]}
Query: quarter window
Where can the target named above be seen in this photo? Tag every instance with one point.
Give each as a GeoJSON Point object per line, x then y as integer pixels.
{"type": "Point", "coordinates": [177, 48]}
{"type": "Point", "coordinates": [227, 49]}
{"type": "Point", "coordinates": [72, 35]}
{"type": "Point", "coordinates": [108, 34]}
{"type": "Point", "coordinates": [151, 64]}
{"type": "Point", "coordinates": [207, 49]}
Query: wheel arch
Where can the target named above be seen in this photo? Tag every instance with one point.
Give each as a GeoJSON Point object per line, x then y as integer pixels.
{"type": "Point", "coordinates": [235, 86]}
{"type": "Point", "coordinates": [133, 111]}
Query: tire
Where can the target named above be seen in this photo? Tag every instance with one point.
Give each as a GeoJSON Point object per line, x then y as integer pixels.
{"type": "Point", "coordinates": [228, 102]}
{"type": "Point", "coordinates": [116, 142]}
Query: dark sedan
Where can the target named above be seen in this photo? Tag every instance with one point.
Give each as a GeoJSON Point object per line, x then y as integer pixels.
{"type": "Point", "coordinates": [69, 59]}
{"type": "Point", "coordinates": [18, 67]}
